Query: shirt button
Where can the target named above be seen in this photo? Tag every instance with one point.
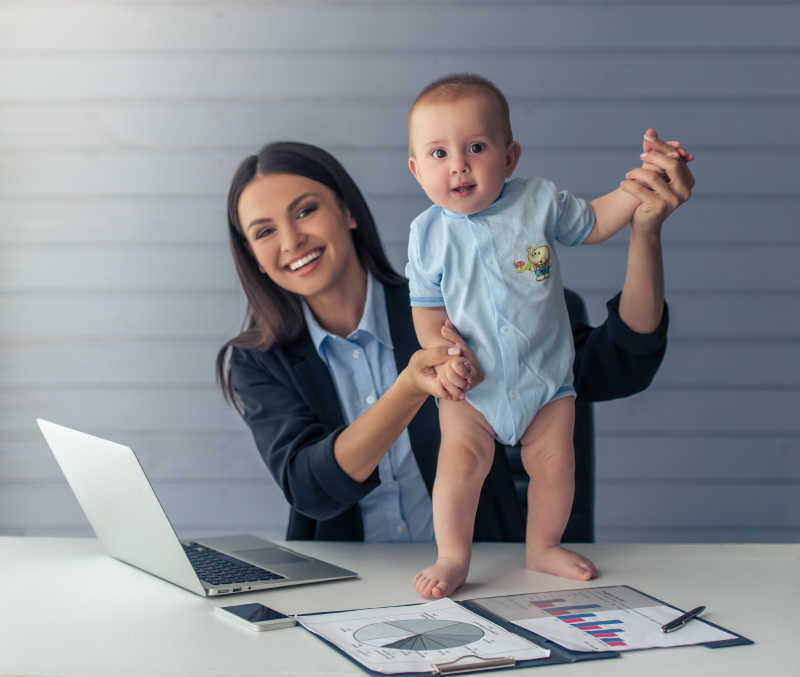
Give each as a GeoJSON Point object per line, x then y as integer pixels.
{"type": "Point", "coordinates": [400, 528]}
{"type": "Point", "coordinates": [356, 354]}
{"type": "Point", "coordinates": [504, 331]}
{"type": "Point", "coordinates": [512, 394]}
{"type": "Point", "coordinates": [370, 399]}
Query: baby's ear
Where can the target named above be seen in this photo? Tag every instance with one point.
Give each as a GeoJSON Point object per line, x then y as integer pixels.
{"type": "Point", "coordinates": [513, 153]}
{"type": "Point", "coordinates": [412, 167]}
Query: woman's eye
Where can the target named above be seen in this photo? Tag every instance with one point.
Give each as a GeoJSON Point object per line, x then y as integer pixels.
{"type": "Point", "coordinates": [264, 232]}
{"type": "Point", "coordinates": [477, 147]}
{"type": "Point", "coordinates": [439, 153]}
{"type": "Point", "coordinates": [305, 211]}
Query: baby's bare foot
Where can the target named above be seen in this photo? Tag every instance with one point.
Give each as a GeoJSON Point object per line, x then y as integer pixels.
{"type": "Point", "coordinates": [560, 562]}
{"type": "Point", "coordinates": [442, 578]}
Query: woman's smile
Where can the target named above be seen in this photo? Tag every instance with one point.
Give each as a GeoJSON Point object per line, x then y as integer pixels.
{"type": "Point", "coordinates": [307, 262]}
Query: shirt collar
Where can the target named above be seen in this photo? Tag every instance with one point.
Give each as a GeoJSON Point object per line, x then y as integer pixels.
{"type": "Point", "coordinates": [374, 320]}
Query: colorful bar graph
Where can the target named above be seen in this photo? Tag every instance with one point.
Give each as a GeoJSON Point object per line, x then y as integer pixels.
{"type": "Point", "coordinates": [547, 602]}
{"type": "Point", "coordinates": [567, 609]}
{"type": "Point", "coordinates": [601, 630]}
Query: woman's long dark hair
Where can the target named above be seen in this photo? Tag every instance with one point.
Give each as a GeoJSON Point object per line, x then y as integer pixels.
{"type": "Point", "coordinates": [274, 315]}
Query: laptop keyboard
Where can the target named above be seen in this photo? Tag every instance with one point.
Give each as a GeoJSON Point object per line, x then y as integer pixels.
{"type": "Point", "coordinates": [217, 569]}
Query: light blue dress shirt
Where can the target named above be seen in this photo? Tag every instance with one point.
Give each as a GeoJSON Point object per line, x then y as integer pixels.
{"type": "Point", "coordinates": [363, 367]}
{"type": "Point", "coordinates": [497, 274]}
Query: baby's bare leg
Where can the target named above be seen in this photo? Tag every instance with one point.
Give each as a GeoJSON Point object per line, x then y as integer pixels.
{"type": "Point", "coordinates": [549, 459]}
{"type": "Point", "coordinates": [465, 458]}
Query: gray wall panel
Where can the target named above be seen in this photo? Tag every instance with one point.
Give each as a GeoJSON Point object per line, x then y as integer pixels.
{"type": "Point", "coordinates": [52, 314]}
{"type": "Point", "coordinates": [391, 27]}
{"type": "Point", "coordinates": [700, 459]}
{"type": "Point", "coordinates": [98, 410]}
{"type": "Point", "coordinates": [26, 75]}
{"type": "Point", "coordinates": [220, 506]}
{"type": "Point", "coordinates": [165, 456]}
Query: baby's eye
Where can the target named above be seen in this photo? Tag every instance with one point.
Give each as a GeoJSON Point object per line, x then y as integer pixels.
{"type": "Point", "coordinates": [477, 147]}
{"type": "Point", "coordinates": [439, 153]}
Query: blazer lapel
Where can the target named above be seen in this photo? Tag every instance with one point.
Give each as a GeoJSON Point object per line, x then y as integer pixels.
{"type": "Point", "coordinates": [423, 430]}
{"type": "Point", "coordinates": [314, 381]}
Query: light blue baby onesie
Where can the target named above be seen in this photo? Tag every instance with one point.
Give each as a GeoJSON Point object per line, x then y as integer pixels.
{"type": "Point", "coordinates": [497, 274]}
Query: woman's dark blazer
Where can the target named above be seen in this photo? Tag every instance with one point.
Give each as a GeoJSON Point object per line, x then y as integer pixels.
{"type": "Point", "coordinates": [291, 407]}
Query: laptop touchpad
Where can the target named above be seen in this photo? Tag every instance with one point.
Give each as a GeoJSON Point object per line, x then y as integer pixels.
{"type": "Point", "coordinates": [268, 556]}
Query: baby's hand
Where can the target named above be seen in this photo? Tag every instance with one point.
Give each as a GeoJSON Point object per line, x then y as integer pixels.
{"type": "Point", "coordinates": [671, 148]}
{"type": "Point", "coordinates": [455, 375]}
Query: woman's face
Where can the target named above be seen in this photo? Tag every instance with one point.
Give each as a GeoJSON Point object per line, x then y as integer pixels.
{"type": "Point", "coordinates": [298, 232]}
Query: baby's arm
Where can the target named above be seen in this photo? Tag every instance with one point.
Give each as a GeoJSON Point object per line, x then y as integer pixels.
{"type": "Point", "coordinates": [453, 374]}
{"type": "Point", "coordinates": [614, 210]}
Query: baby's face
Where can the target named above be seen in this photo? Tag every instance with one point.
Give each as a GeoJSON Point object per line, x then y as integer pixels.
{"type": "Point", "coordinates": [460, 156]}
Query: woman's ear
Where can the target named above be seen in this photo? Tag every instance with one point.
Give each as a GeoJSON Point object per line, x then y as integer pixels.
{"type": "Point", "coordinates": [351, 222]}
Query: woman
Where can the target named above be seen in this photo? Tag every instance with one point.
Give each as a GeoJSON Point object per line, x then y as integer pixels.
{"type": "Point", "coordinates": [328, 373]}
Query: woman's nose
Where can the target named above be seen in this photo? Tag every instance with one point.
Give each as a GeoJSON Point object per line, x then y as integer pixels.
{"type": "Point", "coordinates": [291, 239]}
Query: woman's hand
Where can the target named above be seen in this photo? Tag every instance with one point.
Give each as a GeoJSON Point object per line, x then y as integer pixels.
{"type": "Point", "coordinates": [663, 183]}
{"type": "Point", "coordinates": [446, 372]}
{"type": "Point", "coordinates": [423, 370]}
{"type": "Point", "coordinates": [462, 372]}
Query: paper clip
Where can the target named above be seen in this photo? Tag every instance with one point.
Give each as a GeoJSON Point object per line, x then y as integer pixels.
{"type": "Point", "coordinates": [450, 667]}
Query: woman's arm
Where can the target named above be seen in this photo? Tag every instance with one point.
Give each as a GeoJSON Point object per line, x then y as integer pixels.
{"type": "Point", "coordinates": [361, 445]}
{"type": "Point", "coordinates": [323, 468]}
{"type": "Point", "coordinates": [620, 357]}
{"type": "Point", "coordinates": [661, 187]}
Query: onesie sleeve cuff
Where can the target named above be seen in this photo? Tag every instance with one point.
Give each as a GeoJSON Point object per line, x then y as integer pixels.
{"type": "Point", "coordinates": [632, 341]}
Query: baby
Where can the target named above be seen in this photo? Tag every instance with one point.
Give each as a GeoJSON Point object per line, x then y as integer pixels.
{"type": "Point", "coordinates": [483, 257]}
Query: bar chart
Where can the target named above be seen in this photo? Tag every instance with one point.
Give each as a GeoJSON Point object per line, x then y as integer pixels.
{"type": "Point", "coordinates": [607, 618]}
{"type": "Point", "coordinates": [581, 617]}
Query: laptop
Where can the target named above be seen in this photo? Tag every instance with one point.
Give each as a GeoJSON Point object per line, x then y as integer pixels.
{"type": "Point", "coordinates": [128, 519]}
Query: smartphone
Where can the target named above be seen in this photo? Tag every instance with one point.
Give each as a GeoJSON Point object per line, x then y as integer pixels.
{"type": "Point", "coordinates": [255, 616]}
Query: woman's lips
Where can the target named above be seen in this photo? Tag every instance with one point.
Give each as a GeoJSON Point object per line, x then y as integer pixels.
{"type": "Point", "coordinates": [315, 255]}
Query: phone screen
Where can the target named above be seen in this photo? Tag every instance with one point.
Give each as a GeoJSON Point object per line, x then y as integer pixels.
{"type": "Point", "coordinates": [254, 612]}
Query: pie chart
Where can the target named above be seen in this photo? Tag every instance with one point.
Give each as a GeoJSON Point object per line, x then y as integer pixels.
{"type": "Point", "coordinates": [418, 634]}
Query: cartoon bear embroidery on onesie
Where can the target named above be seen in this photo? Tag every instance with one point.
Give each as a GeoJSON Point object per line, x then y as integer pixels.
{"type": "Point", "coordinates": [539, 259]}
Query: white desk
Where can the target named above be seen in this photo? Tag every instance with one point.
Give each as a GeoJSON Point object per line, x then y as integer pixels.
{"type": "Point", "coordinates": [67, 609]}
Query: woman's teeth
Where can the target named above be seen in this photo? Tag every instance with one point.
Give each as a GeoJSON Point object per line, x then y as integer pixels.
{"type": "Point", "coordinates": [308, 258]}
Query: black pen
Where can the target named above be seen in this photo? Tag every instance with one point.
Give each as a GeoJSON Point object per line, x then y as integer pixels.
{"type": "Point", "coordinates": [683, 619]}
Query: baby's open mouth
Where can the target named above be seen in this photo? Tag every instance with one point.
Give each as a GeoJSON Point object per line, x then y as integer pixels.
{"type": "Point", "coordinates": [465, 189]}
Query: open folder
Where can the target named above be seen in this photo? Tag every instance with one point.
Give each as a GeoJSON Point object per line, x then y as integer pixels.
{"type": "Point", "coordinates": [524, 630]}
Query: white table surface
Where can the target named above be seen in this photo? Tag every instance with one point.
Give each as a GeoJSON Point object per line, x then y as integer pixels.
{"type": "Point", "coordinates": [68, 609]}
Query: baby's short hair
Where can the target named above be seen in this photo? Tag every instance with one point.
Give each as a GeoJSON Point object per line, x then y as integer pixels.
{"type": "Point", "coordinates": [459, 85]}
